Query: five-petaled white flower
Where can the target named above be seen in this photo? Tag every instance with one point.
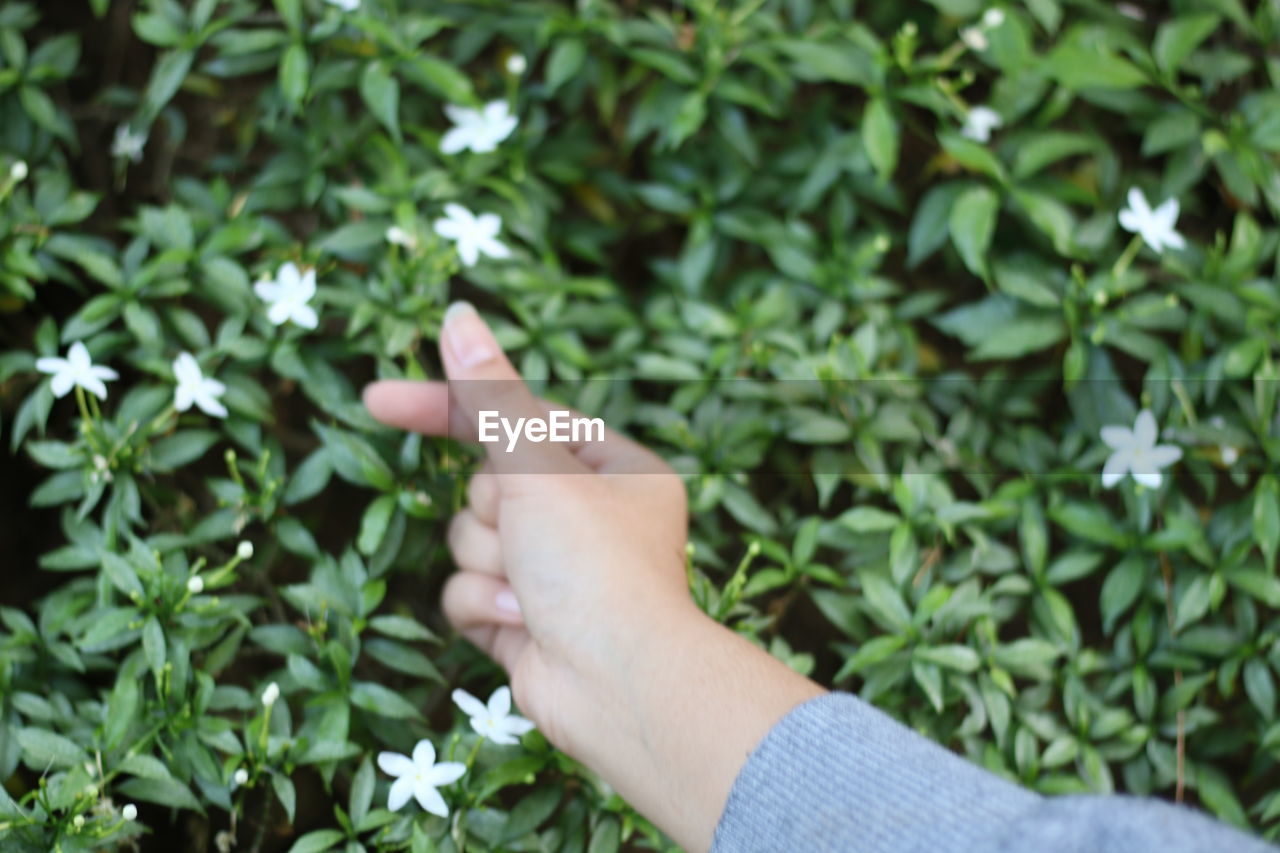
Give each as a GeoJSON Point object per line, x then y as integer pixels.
{"type": "Point", "coordinates": [472, 235]}
{"type": "Point", "coordinates": [288, 296]}
{"type": "Point", "coordinates": [494, 721]}
{"type": "Point", "coordinates": [480, 130]}
{"type": "Point", "coordinates": [418, 777]}
{"type": "Point", "coordinates": [1155, 226]}
{"type": "Point", "coordinates": [129, 143]}
{"type": "Point", "coordinates": [345, 5]}
{"type": "Point", "coordinates": [76, 369]}
{"type": "Point", "coordinates": [1134, 451]}
{"type": "Point", "coordinates": [195, 387]}
{"type": "Point", "coordinates": [979, 123]}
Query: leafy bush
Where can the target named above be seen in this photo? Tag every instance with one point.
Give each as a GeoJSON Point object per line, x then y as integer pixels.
{"type": "Point", "coordinates": [915, 208]}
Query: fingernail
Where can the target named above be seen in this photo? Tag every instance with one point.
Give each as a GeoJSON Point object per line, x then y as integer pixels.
{"type": "Point", "coordinates": [467, 337]}
{"type": "Point", "coordinates": [506, 602]}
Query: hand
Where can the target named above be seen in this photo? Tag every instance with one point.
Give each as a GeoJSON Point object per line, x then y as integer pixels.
{"type": "Point", "coordinates": [571, 576]}
{"type": "Point", "coordinates": [589, 540]}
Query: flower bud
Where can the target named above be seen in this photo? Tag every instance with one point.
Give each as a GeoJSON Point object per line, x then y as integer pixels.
{"type": "Point", "coordinates": [195, 584]}
{"type": "Point", "coordinates": [244, 550]}
{"type": "Point", "coordinates": [18, 171]}
{"type": "Point", "coordinates": [517, 64]}
{"type": "Point", "coordinates": [129, 812]}
{"type": "Point", "coordinates": [271, 694]}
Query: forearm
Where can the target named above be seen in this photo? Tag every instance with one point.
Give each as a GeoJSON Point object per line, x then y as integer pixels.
{"type": "Point", "coordinates": [681, 715]}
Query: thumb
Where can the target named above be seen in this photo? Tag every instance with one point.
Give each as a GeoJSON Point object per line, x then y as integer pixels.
{"type": "Point", "coordinates": [489, 391]}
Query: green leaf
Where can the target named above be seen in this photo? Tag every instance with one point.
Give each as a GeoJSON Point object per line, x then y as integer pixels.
{"type": "Point", "coordinates": [166, 79]}
{"type": "Point", "coordinates": [294, 70]}
{"type": "Point", "coordinates": [1176, 39]}
{"type": "Point", "coordinates": [153, 645]}
{"type": "Point", "coordinates": [1193, 603]}
{"type": "Point", "coordinates": [1266, 518]}
{"type": "Point", "coordinates": [885, 602]}
{"type": "Point", "coordinates": [381, 93]}
{"type": "Point", "coordinates": [880, 137]}
{"type": "Point", "coordinates": [1121, 588]}
{"type": "Point", "coordinates": [121, 574]}
{"type": "Point", "coordinates": [868, 519]}
{"type": "Point", "coordinates": [401, 627]}
{"type": "Point", "coordinates": [315, 842]}
{"type": "Point", "coordinates": [1089, 522]}
{"type": "Point", "coordinates": [566, 60]}
{"type": "Point", "coordinates": [373, 526]}
{"type": "Point", "coordinates": [183, 448]}
{"type": "Point", "coordinates": [957, 657]}
{"type": "Point", "coordinates": [286, 794]}
{"type": "Point", "coordinates": [1078, 64]}
{"type": "Point", "coordinates": [166, 792]}
{"type": "Point", "coordinates": [361, 792]}
{"type": "Point", "coordinates": [972, 224]}
{"type": "Point", "coordinates": [43, 749]}
{"type": "Point", "coordinates": [607, 837]}
{"type": "Point", "coordinates": [1260, 687]}
{"type": "Point", "coordinates": [380, 700]}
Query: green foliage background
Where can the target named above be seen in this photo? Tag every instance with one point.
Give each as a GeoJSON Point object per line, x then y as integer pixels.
{"type": "Point", "coordinates": [697, 191]}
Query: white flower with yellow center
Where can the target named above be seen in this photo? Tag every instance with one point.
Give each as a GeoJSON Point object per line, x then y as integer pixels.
{"type": "Point", "coordinates": [1134, 451]}
{"type": "Point", "coordinates": [495, 720]}
{"type": "Point", "coordinates": [478, 130]}
{"type": "Point", "coordinates": [472, 235]}
{"type": "Point", "coordinates": [419, 777]}
{"type": "Point", "coordinates": [195, 388]}
{"type": "Point", "coordinates": [76, 369]}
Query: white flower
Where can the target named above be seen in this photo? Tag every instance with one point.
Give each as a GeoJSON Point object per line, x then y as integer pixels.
{"type": "Point", "coordinates": [195, 584]}
{"type": "Point", "coordinates": [1155, 226]}
{"type": "Point", "coordinates": [76, 369]}
{"type": "Point", "coordinates": [288, 296]}
{"type": "Point", "coordinates": [473, 235]}
{"type": "Point", "coordinates": [993, 18]}
{"type": "Point", "coordinates": [345, 5]}
{"type": "Point", "coordinates": [495, 721]}
{"type": "Point", "coordinates": [974, 37]}
{"type": "Point", "coordinates": [194, 387]}
{"type": "Point", "coordinates": [128, 143]}
{"type": "Point", "coordinates": [397, 236]}
{"type": "Point", "coordinates": [270, 695]}
{"type": "Point", "coordinates": [479, 130]}
{"type": "Point", "coordinates": [517, 64]}
{"type": "Point", "coordinates": [418, 777]}
{"type": "Point", "coordinates": [979, 123]}
{"type": "Point", "coordinates": [19, 171]}
{"type": "Point", "coordinates": [129, 812]}
{"type": "Point", "coordinates": [244, 550]}
{"type": "Point", "coordinates": [240, 777]}
{"type": "Point", "coordinates": [1134, 451]}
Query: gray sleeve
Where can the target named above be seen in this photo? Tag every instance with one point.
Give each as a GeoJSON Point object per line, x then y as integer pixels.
{"type": "Point", "coordinates": [838, 775]}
